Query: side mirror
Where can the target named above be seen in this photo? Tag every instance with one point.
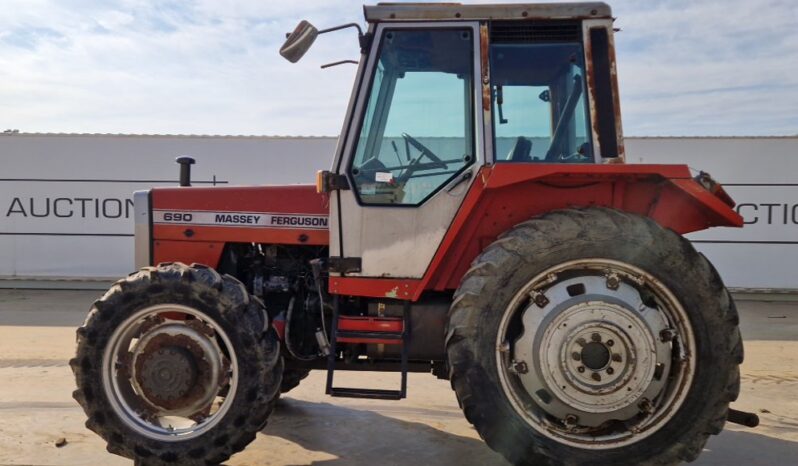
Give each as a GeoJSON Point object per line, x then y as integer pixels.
{"type": "Point", "coordinates": [299, 41]}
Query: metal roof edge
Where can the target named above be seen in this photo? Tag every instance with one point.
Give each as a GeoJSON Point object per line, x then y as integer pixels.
{"type": "Point", "coordinates": [505, 11]}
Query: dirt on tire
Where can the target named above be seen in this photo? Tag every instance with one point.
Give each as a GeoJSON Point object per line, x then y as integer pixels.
{"type": "Point", "coordinates": [224, 299]}
{"type": "Point", "coordinates": [559, 236]}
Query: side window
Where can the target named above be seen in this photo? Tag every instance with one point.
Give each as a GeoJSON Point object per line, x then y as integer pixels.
{"type": "Point", "coordinates": [417, 131]}
{"type": "Point", "coordinates": [539, 104]}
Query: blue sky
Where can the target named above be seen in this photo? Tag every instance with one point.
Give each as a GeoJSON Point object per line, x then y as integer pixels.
{"type": "Point", "coordinates": [700, 67]}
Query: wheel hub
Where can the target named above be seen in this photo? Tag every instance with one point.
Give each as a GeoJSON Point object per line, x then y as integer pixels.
{"type": "Point", "coordinates": [177, 369]}
{"type": "Point", "coordinates": [170, 372]}
{"type": "Point", "coordinates": [167, 374]}
{"type": "Point", "coordinates": [593, 356]}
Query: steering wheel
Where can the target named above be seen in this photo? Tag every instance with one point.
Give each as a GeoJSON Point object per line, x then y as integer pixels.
{"type": "Point", "coordinates": [414, 163]}
{"type": "Point", "coordinates": [424, 150]}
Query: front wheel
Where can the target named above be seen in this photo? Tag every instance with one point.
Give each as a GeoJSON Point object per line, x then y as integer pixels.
{"type": "Point", "coordinates": [177, 364]}
{"type": "Point", "coordinates": [594, 336]}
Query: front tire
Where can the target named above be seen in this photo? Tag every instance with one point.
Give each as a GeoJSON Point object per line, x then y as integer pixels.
{"type": "Point", "coordinates": [594, 337]}
{"type": "Point", "coordinates": [177, 364]}
{"type": "Point", "coordinates": [292, 376]}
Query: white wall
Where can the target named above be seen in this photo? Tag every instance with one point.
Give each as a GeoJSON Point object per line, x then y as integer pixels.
{"type": "Point", "coordinates": [761, 175]}
{"type": "Point", "coordinates": [77, 182]}
{"type": "Point", "coordinates": [77, 237]}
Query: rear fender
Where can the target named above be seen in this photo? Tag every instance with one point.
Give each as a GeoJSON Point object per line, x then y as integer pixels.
{"type": "Point", "coordinates": [507, 194]}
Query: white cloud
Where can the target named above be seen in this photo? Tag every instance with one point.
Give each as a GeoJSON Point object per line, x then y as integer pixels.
{"type": "Point", "coordinates": [686, 67]}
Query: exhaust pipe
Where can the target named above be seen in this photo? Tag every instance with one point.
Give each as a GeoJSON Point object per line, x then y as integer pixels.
{"type": "Point", "coordinates": [185, 163]}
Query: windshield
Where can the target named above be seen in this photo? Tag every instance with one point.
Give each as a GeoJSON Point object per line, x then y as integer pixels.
{"type": "Point", "coordinates": [417, 130]}
{"type": "Point", "coordinates": [540, 112]}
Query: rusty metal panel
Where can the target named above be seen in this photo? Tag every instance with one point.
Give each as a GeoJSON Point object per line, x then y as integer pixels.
{"type": "Point", "coordinates": [455, 11]}
{"type": "Point", "coordinates": [484, 60]}
{"type": "Point", "coordinates": [616, 94]}
{"type": "Point", "coordinates": [592, 91]}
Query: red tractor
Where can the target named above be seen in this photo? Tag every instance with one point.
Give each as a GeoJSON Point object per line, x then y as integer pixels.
{"type": "Point", "coordinates": [478, 223]}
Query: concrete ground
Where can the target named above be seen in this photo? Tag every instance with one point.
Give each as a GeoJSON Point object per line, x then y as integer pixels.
{"type": "Point", "coordinates": [37, 410]}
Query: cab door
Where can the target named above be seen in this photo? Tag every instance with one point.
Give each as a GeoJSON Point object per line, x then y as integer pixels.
{"type": "Point", "coordinates": [413, 143]}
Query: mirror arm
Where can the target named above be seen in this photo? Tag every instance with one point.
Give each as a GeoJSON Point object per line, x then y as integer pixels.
{"type": "Point", "coordinates": [336, 63]}
{"type": "Point", "coordinates": [364, 39]}
{"type": "Point", "coordinates": [343, 26]}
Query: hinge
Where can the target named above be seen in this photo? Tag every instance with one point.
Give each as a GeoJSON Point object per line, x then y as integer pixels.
{"type": "Point", "coordinates": [327, 181]}
{"type": "Point", "coordinates": [365, 42]}
{"type": "Point", "coordinates": [345, 264]}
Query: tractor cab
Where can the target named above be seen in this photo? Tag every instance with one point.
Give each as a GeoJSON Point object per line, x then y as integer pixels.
{"type": "Point", "coordinates": [443, 90]}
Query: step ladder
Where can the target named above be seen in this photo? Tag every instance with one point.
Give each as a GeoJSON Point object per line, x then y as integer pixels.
{"type": "Point", "coordinates": [368, 330]}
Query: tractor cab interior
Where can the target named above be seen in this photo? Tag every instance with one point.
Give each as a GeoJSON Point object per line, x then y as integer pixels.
{"type": "Point", "coordinates": [539, 105]}
{"type": "Point", "coordinates": [417, 130]}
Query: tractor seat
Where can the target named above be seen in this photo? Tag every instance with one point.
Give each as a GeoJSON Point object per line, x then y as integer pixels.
{"type": "Point", "coordinates": [521, 150]}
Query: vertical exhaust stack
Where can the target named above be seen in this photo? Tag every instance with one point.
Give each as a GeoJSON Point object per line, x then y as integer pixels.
{"type": "Point", "coordinates": [185, 163]}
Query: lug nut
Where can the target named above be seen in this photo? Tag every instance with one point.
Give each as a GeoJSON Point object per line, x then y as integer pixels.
{"type": "Point", "coordinates": [581, 368]}
{"type": "Point", "coordinates": [539, 298]}
{"type": "Point", "coordinates": [646, 406]}
{"type": "Point", "coordinates": [571, 419]}
{"type": "Point", "coordinates": [613, 282]}
{"type": "Point", "coordinates": [610, 370]}
{"type": "Point", "coordinates": [610, 342]}
{"type": "Point", "coordinates": [576, 356]}
{"type": "Point", "coordinates": [667, 335]}
{"type": "Point", "coordinates": [521, 367]}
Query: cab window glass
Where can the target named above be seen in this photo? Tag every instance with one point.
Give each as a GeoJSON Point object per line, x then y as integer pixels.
{"type": "Point", "coordinates": [417, 130]}
{"type": "Point", "coordinates": [539, 104]}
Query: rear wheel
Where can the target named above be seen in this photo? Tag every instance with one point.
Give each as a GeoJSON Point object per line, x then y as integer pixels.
{"type": "Point", "coordinates": [594, 336]}
{"type": "Point", "coordinates": [177, 364]}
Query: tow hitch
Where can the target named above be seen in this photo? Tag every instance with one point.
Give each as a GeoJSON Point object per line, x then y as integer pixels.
{"type": "Point", "coordinates": [742, 418]}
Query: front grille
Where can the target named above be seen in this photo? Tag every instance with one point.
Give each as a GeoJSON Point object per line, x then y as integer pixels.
{"type": "Point", "coordinates": [504, 32]}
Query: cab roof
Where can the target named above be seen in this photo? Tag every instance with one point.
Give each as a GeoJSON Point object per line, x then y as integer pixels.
{"type": "Point", "coordinates": [457, 12]}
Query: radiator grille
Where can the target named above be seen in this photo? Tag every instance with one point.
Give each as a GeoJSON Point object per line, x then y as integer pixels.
{"type": "Point", "coordinates": [534, 31]}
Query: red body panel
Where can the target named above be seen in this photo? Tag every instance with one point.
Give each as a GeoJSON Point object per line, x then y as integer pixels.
{"type": "Point", "coordinates": [507, 194]}
{"type": "Point", "coordinates": [502, 196]}
{"type": "Point", "coordinates": [388, 325]}
{"type": "Point", "coordinates": [180, 240]}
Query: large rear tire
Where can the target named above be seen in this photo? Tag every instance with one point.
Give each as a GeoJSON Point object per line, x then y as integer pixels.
{"type": "Point", "coordinates": [177, 364]}
{"type": "Point", "coordinates": [594, 337]}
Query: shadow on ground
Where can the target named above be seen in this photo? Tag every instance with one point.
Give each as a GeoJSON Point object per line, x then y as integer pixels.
{"type": "Point", "coordinates": [748, 448]}
{"type": "Point", "coordinates": [356, 437]}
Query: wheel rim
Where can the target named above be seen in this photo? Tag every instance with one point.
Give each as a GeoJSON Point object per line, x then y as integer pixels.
{"type": "Point", "coordinates": [170, 372]}
{"type": "Point", "coordinates": [595, 353]}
